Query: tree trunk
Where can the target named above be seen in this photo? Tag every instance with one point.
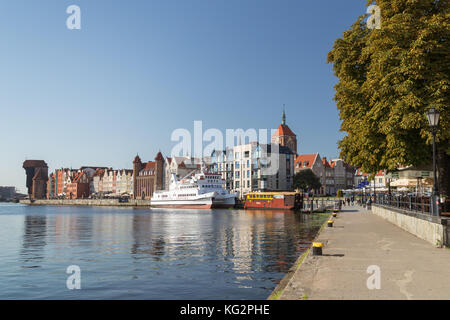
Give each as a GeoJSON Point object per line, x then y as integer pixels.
{"type": "Point", "coordinates": [443, 160]}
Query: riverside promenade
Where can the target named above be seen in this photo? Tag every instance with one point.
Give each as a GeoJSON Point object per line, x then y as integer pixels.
{"type": "Point", "coordinates": [410, 268]}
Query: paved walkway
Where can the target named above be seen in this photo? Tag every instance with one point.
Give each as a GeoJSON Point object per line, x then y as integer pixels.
{"type": "Point", "coordinates": [410, 268]}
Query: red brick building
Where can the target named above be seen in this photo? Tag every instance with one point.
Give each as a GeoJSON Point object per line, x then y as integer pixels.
{"type": "Point", "coordinates": [37, 176]}
{"type": "Point", "coordinates": [147, 177]}
{"type": "Point", "coordinates": [284, 136]}
{"type": "Point", "coordinates": [78, 187]}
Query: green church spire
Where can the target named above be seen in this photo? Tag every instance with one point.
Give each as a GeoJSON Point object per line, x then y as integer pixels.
{"type": "Point", "coordinates": [283, 117]}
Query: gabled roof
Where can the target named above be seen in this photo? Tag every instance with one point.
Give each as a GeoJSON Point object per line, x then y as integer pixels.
{"type": "Point", "coordinates": [306, 161]}
{"type": "Point", "coordinates": [150, 165]}
{"type": "Point", "coordinates": [325, 163]}
{"type": "Point", "coordinates": [359, 172]}
{"type": "Point", "coordinates": [284, 130]}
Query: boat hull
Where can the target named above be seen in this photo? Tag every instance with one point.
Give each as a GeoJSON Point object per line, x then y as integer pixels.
{"type": "Point", "coordinates": [183, 206]}
{"type": "Point", "coordinates": [208, 203]}
{"type": "Point", "coordinates": [273, 201]}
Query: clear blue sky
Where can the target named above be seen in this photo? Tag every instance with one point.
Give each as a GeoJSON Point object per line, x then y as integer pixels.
{"type": "Point", "coordinates": [139, 69]}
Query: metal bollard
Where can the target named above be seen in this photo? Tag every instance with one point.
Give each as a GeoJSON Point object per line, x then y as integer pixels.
{"type": "Point", "coordinates": [317, 248]}
{"type": "Point", "coordinates": [330, 223]}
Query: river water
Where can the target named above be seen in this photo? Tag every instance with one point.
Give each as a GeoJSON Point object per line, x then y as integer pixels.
{"type": "Point", "coordinates": [126, 253]}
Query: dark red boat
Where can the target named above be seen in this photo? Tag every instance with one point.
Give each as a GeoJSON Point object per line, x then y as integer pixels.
{"type": "Point", "coordinates": [273, 200]}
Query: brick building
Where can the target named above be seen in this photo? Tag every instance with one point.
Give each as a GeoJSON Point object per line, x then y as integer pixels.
{"type": "Point", "coordinates": [37, 176]}
{"type": "Point", "coordinates": [78, 186]}
{"type": "Point", "coordinates": [284, 136]}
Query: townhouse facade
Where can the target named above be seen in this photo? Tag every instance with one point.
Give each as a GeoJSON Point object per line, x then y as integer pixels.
{"type": "Point", "coordinates": [333, 175]}
{"type": "Point", "coordinates": [343, 174]}
{"type": "Point", "coordinates": [124, 182]}
{"type": "Point", "coordinates": [314, 163]}
{"type": "Point", "coordinates": [330, 186]}
{"type": "Point", "coordinates": [78, 186]}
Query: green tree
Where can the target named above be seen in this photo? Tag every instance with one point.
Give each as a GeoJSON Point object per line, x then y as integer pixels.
{"type": "Point", "coordinates": [388, 79]}
{"type": "Point", "coordinates": [340, 194]}
{"type": "Point", "coordinates": [306, 180]}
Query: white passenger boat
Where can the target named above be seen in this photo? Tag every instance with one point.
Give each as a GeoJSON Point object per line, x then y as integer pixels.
{"type": "Point", "coordinates": [195, 191]}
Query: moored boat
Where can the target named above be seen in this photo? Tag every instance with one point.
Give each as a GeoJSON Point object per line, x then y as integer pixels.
{"type": "Point", "coordinates": [273, 200]}
{"type": "Point", "coordinates": [195, 191]}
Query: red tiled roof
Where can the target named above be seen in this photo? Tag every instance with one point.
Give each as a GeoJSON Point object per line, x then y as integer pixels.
{"type": "Point", "coordinates": [325, 163]}
{"type": "Point", "coordinates": [380, 173]}
{"type": "Point", "coordinates": [284, 130]}
{"type": "Point", "coordinates": [359, 172]}
{"type": "Point", "coordinates": [305, 161]}
{"type": "Point", "coordinates": [149, 165]}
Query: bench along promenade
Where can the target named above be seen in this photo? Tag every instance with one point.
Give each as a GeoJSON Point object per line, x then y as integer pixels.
{"type": "Point", "coordinates": [374, 254]}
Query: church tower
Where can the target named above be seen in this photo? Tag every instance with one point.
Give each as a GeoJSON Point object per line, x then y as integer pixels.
{"type": "Point", "coordinates": [284, 135]}
{"type": "Point", "coordinates": [137, 167]}
{"type": "Point", "coordinates": [159, 172]}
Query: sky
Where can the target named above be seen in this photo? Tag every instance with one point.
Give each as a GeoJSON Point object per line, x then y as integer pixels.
{"type": "Point", "coordinates": [138, 70]}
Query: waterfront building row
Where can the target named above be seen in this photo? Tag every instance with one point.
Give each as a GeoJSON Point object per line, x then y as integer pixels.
{"type": "Point", "coordinates": [245, 167]}
{"type": "Point", "coordinates": [333, 174]}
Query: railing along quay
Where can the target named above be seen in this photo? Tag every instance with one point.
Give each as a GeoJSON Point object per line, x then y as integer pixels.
{"type": "Point", "coordinates": [311, 205]}
{"type": "Point", "coordinates": [419, 204]}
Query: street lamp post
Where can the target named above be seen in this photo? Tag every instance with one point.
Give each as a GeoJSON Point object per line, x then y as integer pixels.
{"type": "Point", "coordinates": [433, 120]}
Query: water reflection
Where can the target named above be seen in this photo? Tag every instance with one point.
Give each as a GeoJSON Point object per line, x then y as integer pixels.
{"type": "Point", "coordinates": [34, 241]}
{"type": "Point", "coordinates": [174, 254]}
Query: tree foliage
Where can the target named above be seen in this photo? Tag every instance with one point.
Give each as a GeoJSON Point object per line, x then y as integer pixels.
{"type": "Point", "coordinates": [306, 180]}
{"type": "Point", "coordinates": [388, 79]}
